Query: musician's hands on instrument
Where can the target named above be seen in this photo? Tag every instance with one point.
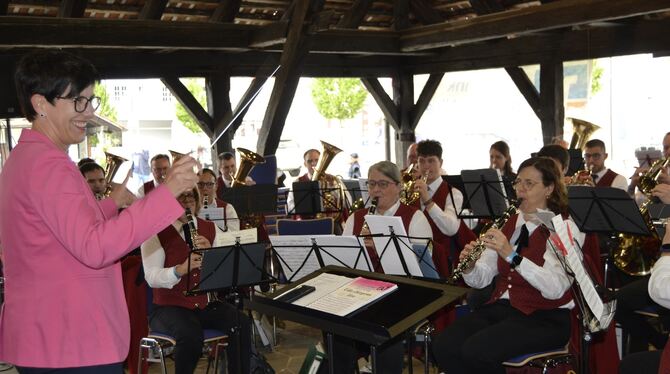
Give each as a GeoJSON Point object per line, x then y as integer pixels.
{"type": "Point", "coordinates": [635, 178]}
{"type": "Point", "coordinates": [664, 178]}
{"type": "Point", "coordinates": [422, 187]}
{"type": "Point", "coordinates": [196, 262]}
{"type": "Point", "coordinates": [465, 252]}
{"type": "Point", "coordinates": [120, 194]}
{"type": "Point", "coordinates": [496, 240]}
{"type": "Point", "coordinates": [662, 191]}
{"type": "Point", "coordinates": [182, 177]}
{"type": "Point", "coordinates": [201, 242]}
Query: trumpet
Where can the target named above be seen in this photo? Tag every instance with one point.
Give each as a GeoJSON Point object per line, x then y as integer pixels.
{"type": "Point", "coordinates": [193, 233]}
{"type": "Point", "coordinates": [582, 177]}
{"type": "Point", "coordinates": [479, 247]}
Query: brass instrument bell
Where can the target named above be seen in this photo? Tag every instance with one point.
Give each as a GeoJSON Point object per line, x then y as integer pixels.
{"type": "Point", "coordinates": [581, 132]}
{"type": "Point", "coordinates": [248, 160]}
{"type": "Point", "coordinates": [113, 164]}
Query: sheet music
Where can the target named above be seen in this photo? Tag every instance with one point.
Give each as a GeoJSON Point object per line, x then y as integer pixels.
{"type": "Point", "coordinates": [602, 312]}
{"type": "Point", "coordinates": [214, 214]}
{"type": "Point", "coordinates": [365, 194]}
{"type": "Point", "coordinates": [325, 283]}
{"type": "Point", "coordinates": [390, 260]}
{"type": "Point", "coordinates": [345, 251]}
{"type": "Point", "coordinates": [224, 239]}
{"type": "Point", "coordinates": [293, 249]}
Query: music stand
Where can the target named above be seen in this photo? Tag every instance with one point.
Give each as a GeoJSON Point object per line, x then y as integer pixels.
{"type": "Point", "coordinates": [250, 200]}
{"type": "Point", "coordinates": [576, 161]}
{"type": "Point", "coordinates": [456, 181]}
{"type": "Point", "coordinates": [605, 210]}
{"type": "Point", "coordinates": [485, 193]}
{"type": "Point", "coordinates": [307, 197]}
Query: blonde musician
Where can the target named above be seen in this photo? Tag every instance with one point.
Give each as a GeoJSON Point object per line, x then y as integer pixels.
{"type": "Point", "coordinates": [207, 188]}
{"type": "Point", "coordinates": [529, 310]}
{"type": "Point", "coordinates": [166, 267]}
{"type": "Point", "coordinates": [95, 177]}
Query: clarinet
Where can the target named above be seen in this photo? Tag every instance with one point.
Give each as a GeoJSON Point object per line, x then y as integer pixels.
{"type": "Point", "coordinates": [193, 233]}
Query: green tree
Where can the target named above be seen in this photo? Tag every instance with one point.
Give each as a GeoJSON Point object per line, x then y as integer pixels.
{"type": "Point", "coordinates": [338, 98]}
{"type": "Point", "coordinates": [596, 75]}
{"type": "Point", "coordinates": [106, 109]}
{"type": "Point", "coordinates": [197, 89]}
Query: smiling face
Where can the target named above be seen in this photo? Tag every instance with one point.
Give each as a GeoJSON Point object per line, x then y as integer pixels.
{"type": "Point", "coordinates": [59, 121]}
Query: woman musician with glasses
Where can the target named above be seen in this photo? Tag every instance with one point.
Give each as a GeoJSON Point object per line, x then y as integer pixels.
{"type": "Point", "coordinates": [384, 186]}
{"type": "Point", "coordinates": [529, 310]}
{"type": "Point", "coordinates": [207, 188]}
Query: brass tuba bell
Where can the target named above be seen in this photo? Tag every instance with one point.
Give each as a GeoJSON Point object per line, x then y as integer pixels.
{"type": "Point", "coordinates": [248, 160]}
{"type": "Point", "coordinates": [333, 202]}
{"type": "Point", "coordinates": [113, 164]}
{"type": "Point", "coordinates": [329, 152]}
{"type": "Point", "coordinates": [581, 132]}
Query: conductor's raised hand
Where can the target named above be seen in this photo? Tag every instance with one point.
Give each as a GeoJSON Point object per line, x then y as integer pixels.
{"type": "Point", "coordinates": [182, 176]}
{"type": "Point", "coordinates": [120, 193]}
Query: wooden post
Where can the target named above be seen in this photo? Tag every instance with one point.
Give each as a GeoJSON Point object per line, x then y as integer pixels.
{"type": "Point", "coordinates": [551, 100]}
{"type": "Point", "coordinates": [220, 109]}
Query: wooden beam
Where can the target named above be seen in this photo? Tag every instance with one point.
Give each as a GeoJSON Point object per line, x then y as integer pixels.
{"type": "Point", "coordinates": [486, 6]}
{"type": "Point", "coordinates": [188, 101]}
{"type": "Point", "coordinates": [72, 8]}
{"type": "Point", "coordinates": [425, 97]}
{"type": "Point", "coordinates": [403, 97]}
{"type": "Point", "coordinates": [424, 12]}
{"type": "Point", "coordinates": [382, 99]}
{"type": "Point", "coordinates": [220, 110]}
{"type": "Point", "coordinates": [353, 18]}
{"type": "Point", "coordinates": [551, 100]}
{"type": "Point", "coordinates": [152, 9]}
{"type": "Point", "coordinates": [555, 15]}
{"type": "Point", "coordinates": [400, 14]}
{"type": "Point", "coordinates": [272, 34]}
{"type": "Point", "coordinates": [286, 81]}
{"type": "Point", "coordinates": [526, 87]}
{"type": "Point", "coordinates": [226, 11]}
{"type": "Point", "coordinates": [4, 7]}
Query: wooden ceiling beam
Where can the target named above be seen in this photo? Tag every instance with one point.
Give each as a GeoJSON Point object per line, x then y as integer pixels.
{"type": "Point", "coordinates": [526, 87]}
{"type": "Point", "coordinates": [72, 8]}
{"type": "Point", "coordinates": [4, 6]}
{"type": "Point", "coordinates": [226, 11]}
{"type": "Point", "coordinates": [152, 9]}
{"type": "Point", "coordinates": [388, 107]}
{"type": "Point", "coordinates": [550, 16]}
{"type": "Point", "coordinates": [424, 12]}
{"type": "Point", "coordinates": [425, 97]}
{"type": "Point", "coordinates": [354, 17]}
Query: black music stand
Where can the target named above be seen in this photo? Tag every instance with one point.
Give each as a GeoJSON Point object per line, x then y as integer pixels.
{"type": "Point", "coordinates": [307, 197]}
{"type": "Point", "coordinates": [485, 193]}
{"type": "Point", "coordinates": [576, 161]}
{"type": "Point", "coordinates": [394, 246]}
{"type": "Point", "coordinates": [375, 324]}
{"type": "Point", "coordinates": [250, 200]}
{"type": "Point", "coordinates": [606, 210]}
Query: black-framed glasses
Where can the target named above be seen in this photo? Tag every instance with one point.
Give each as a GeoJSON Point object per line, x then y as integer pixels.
{"type": "Point", "coordinates": [81, 102]}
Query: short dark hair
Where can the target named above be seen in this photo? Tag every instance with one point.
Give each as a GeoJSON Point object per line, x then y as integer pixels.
{"type": "Point", "coordinates": [429, 148]}
{"type": "Point", "coordinates": [555, 152]}
{"type": "Point", "coordinates": [160, 156]}
{"type": "Point", "coordinates": [208, 171]}
{"type": "Point", "coordinates": [84, 160]}
{"type": "Point", "coordinates": [50, 73]}
{"type": "Point", "coordinates": [226, 156]}
{"type": "Point", "coordinates": [88, 167]}
{"type": "Point", "coordinates": [310, 150]}
{"type": "Point", "coordinates": [595, 143]}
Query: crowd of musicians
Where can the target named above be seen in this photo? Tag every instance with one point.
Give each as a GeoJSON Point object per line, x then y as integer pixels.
{"type": "Point", "coordinates": [65, 227]}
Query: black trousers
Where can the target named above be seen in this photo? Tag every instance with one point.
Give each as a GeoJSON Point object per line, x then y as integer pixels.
{"type": "Point", "coordinates": [347, 351]}
{"type": "Point", "coordinates": [187, 325]}
{"type": "Point", "coordinates": [641, 363]}
{"type": "Point", "coordinates": [482, 340]}
{"type": "Point", "coordinates": [635, 296]}
{"type": "Point", "coordinates": [96, 369]}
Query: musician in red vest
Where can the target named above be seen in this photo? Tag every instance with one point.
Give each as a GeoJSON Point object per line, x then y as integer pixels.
{"type": "Point", "coordinates": [310, 160]}
{"type": "Point", "coordinates": [166, 266]}
{"type": "Point", "coordinates": [529, 310]}
{"type": "Point", "coordinates": [227, 170]}
{"type": "Point", "coordinates": [160, 164]}
{"type": "Point", "coordinates": [594, 158]}
{"type": "Point", "coordinates": [657, 361]}
{"type": "Point", "coordinates": [384, 185]}
{"type": "Point", "coordinates": [206, 187]}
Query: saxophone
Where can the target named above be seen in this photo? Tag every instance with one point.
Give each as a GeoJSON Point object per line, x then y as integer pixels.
{"type": "Point", "coordinates": [479, 247]}
{"type": "Point", "coordinates": [192, 233]}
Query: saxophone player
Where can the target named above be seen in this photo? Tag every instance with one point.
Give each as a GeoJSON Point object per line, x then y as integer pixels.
{"type": "Point", "coordinates": [165, 258]}
{"type": "Point", "coordinates": [529, 310]}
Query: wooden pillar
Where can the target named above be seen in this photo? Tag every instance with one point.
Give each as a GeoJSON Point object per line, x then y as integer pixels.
{"type": "Point", "coordinates": [220, 109]}
{"type": "Point", "coordinates": [552, 110]}
{"type": "Point", "coordinates": [403, 97]}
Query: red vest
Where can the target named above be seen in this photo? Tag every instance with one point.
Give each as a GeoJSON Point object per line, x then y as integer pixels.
{"type": "Point", "coordinates": [607, 179]}
{"type": "Point", "coordinates": [304, 178]}
{"type": "Point", "coordinates": [176, 252]}
{"type": "Point", "coordinates": [405, 212]}
{"type": "Point", "coordinates": [522, 295]}
{"type": "Point", "coordinates": [148, 186]}
{"type": "Point", "coordinates": [220, 186]}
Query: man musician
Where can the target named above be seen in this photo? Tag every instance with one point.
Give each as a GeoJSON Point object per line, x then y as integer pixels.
{"type": "Point", "coordinates": [95, 177]}
{"type": "Point", "coordinates": [595, 155]}
{"type": "Point", "coordinates": [227, 170]}
{"type": "Point", "coordinates": [206, 186]}
{"type": "Point", "coordinates": [160, 164]}
{"type": "Point", "coordinates": [310, 160]}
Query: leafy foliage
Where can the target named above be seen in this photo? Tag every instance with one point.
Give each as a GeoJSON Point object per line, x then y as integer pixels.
{"type": "Point", "coordinates": [596, 74]}
{"type": "Point", "coordinates": [106, 109]}
{"type": "Point", "coordinates": [338, 98]}
{"type": "Point", "coordinates": [196, 87]}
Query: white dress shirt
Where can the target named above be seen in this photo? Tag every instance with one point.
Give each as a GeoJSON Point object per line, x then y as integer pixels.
{"type": "Point", "coordinates": [659, 283]}
{"type": "Point", "coordinates": [619, 181]}
{"type": "Point", "coordinates": [418, 226]}
{"type": "Point", "coordinates": [446, 220]}
{"type": "Point", "coordinates": [550, 278]}
{"type": "Point", "coordinates": [153, 259]}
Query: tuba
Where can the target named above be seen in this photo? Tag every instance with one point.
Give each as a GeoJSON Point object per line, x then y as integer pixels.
{"type": "Point", "coordinates": [113, 164]}
{"type": "Point", "coordinates": [333, 195]}
{"type": "Point", "coordinates": [636, 253]}
{"type": "Point", "coordinates": [248, 160]}
{"type": "Point", "coordinates": [581, 132]}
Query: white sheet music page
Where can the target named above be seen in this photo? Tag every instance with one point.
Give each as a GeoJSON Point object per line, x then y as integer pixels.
{"type": "Point", "coordinates": [324, 284]}
{"type": "Point", "coordinates": [347, 251]}
{"type": "Point", "coordinates": [574, 260]}
{"type": "Point", "coordinates": [390, 259]}
{"type": "Point", "coordinates": [293, 249]}
{"type": "Point", "coordinates": [230, 237]}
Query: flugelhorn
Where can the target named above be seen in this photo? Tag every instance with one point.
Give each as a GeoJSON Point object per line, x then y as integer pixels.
{"type": "Point", "coordinates": [113, 164]}
{"type": "Point", "coordinates": [248, 160]}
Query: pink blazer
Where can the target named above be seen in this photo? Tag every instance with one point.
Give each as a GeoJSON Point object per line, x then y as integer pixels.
{"type": "Point", "coordinates": [64, 301]}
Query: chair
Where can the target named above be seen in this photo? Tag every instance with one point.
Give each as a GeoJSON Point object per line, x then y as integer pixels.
{"type": "Point", "coordinates": [319, 226]}
{"type": "Point", "coordinates": [544, 360]}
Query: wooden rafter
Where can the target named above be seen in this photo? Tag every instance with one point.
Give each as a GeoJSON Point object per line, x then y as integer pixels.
{"type": "Point", "coordinates": [189, 102]}
{"type": "Point", "coordinates": [388, 107]}
{"type": "Point", "coordinates": [528, 20]}
{"type": "Point", "coordinates": [425, 97]}
{"type": "Point", "coordinates": [424, 12]}
{"type": "Point", "coordinates": [400, 14]}
{"type": "Point", "coordinates": [72, 8]}
{"type": "Point", "coordinates": [4, 6]}
{"type": "Point", "coordinates": [353, 18]}
{"type": "Point", "coordinates": [153, 9]}
{"type": "Point", "coordinates": [552, 111]}
{"type": "Point", "coordinates": [526, 87]}
{"type": "Point", "coordinates": [226, 11]}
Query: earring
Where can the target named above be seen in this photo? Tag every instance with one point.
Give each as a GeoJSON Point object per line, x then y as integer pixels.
{"type": "Point", "coordinates": [42, 115]}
